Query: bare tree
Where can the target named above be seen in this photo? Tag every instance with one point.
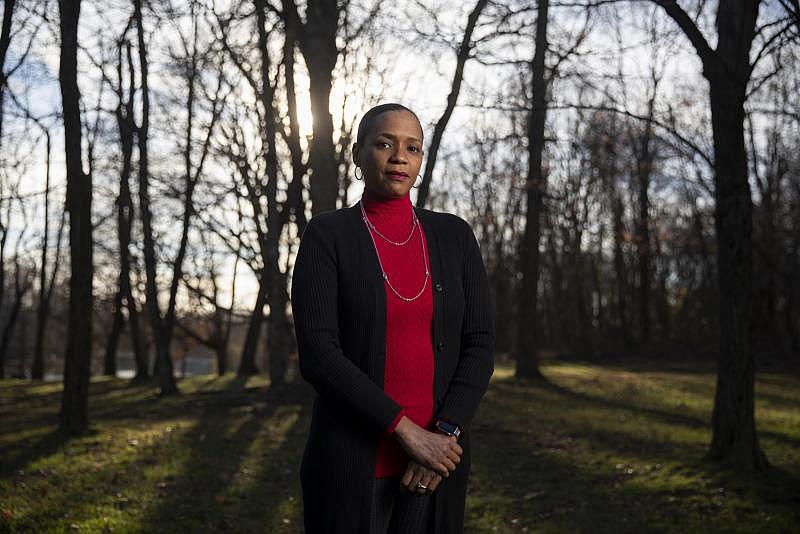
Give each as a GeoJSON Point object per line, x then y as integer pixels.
{"type": "Point", "coordinates": [317, 39]}
{"type": "Point", "coordinates": [23, 280]}
{"type": "Point", "coordinates": [728, 70]}
{"type": "Point", "coordinates": [75, 396]}
{"type": "Point", "coordinates": [5, 42]}
{"type": "Point", "coordinates": [45, 286]}
{"type": "Point", "coordinates": [527, 344]}
{"type": "Point", "coordinates": [164, 367]}
{"type": "Point", "coordinates": [124, 299]}
{"type": "Point", "coordinates": [462, 55]}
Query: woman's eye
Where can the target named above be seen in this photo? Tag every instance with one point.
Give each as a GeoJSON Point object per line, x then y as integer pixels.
{"type": "Point", "coordinates": [384, 144]}
{"type": "Point", "coordinates": [413, 149]}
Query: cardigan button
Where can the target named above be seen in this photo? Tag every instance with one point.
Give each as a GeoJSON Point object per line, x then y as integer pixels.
{"type": "Point", "coordinates": [440, 346]}
{"type": "Point", "coordinates": [438, 287]}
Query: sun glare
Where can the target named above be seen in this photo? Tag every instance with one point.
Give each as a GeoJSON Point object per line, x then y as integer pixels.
{"type": "Point", "coordinates": [305, 120]}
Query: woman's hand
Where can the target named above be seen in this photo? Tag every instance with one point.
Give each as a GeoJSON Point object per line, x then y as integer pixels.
{"type": "Point", "coordinates": [438, 452]}
{"type": "Point", "coordinates": [417, 474]}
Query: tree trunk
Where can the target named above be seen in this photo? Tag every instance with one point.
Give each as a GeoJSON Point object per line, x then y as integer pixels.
{"type": "Point", "coordinates": [125, 211]}
{"type": "Point", "coordinates": [318, 45]}
{"type": "Point", "coordinates": [272, 278]}
{"type": "Point", "coordinates": [140, 353]}
{"type": "Point", "coordinates": [164, 366]}
{"type": "Point", "coordinates": [247, 363]}
{"type": "Point", "coordinates": [77, 361]}
{"type": "Point", "coordinates": [277, 338]}
{"type": "Point", "coordinates": [21, 285]}
{"type": "Point", "coordinates": [37, 368]}
{"type": "Point", "coordinates": [644, 167]}
{"type": "Point", "coordinates": [734, 440]}
{"type": "Point", "coordinates": [294, 194]}
{"type": "Point", "coordinates": [5, 42]}
{"type": "Point", "coordinates": [117, 325]}
{"type": "Point", "coordinates": [528, 343]}
{"type": "Point", "coordinates": [734, 434]}
{"type": "Point", "coordinates": [619, 268]}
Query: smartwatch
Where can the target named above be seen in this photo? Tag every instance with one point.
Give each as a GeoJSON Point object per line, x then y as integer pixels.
{"type": "Point", "coordinates": [451, 429]}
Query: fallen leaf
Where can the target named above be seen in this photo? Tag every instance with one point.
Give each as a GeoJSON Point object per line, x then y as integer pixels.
{"type": "Point", "coordinates": [529, 496]}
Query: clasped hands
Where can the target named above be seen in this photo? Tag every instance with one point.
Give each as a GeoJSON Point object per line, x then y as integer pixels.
{"type": "Point", "coordinates": [433, 456]}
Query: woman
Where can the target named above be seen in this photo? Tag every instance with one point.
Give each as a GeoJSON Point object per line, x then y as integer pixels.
{"type": "Point", "coordinates": [395, 332]}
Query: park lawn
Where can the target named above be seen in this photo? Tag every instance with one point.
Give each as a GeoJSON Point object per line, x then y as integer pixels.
{"type": "Point", "coordinates": [592, 448]}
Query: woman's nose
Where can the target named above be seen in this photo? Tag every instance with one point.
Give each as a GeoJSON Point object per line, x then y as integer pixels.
{"type": "Point", "coordinates": [398, 155]}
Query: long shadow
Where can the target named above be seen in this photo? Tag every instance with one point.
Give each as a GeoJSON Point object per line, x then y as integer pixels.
{"type": "Point", "coordinates": [648, 412]}
{"type": "Point", "coordinates": [198, 497]}
{"type": "Point", "coordinates": [15, 456]}
{"type": "Point", "coordinates": [593, 400]}
{"type": "Point", "coordinates": [519, 482]}
{"type": "Point", "coordinates": [279, 475]}
{"type": "Point", "coordinates": [38, 415]}
{"type": "Point", "coordinates": [216, 420]}
{"type": "Point", "coordinates": [535, 476]}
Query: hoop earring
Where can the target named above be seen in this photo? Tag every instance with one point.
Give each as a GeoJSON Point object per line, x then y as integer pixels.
{"type": "Point", "coordinates": [416, 185]}
{"type": "Point", "coordinates": [356, 173]}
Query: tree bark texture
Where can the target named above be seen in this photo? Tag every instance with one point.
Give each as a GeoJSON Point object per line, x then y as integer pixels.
{"type": "Point", "coordinates": [318, 45]}
{"type": "Point", "coordinates": [527, 359]}
{"type": "Point", "coordinates": [734, 439]}
{"type": "Point", "coordinates": [77, 361]}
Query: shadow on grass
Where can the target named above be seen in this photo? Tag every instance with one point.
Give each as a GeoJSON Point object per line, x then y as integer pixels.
{"type": "Point", "coordinates": [554, 473]}
{"type": "Point", "coordinates": [205, 495]}
{"type": "Point", "coordinates": [38, 415]}
{"type": "Point", "coordinates": [202, 489]}
{"type": "Point", "coordinates": [16, 456]}
{"type": "Point", "coordinates": [650, 413]}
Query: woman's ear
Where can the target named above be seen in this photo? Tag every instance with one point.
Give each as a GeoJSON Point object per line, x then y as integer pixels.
{"type": "Point", "coordinates": [356, 150]}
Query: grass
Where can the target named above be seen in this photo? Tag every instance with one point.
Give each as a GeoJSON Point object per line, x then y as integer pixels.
{"type": "Point", "coordinates": [611, 448]}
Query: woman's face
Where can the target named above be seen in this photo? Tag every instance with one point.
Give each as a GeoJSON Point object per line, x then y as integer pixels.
{"type": "Point", "coordinates": [391, 155]}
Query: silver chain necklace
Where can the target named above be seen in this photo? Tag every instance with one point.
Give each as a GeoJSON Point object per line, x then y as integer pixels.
{"type": "Point", "coordinates": [414, 224]}
{"type": "Point", "coordinates": [397, 243]}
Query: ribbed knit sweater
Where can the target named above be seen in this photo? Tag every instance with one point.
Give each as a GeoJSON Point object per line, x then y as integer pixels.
{"type": "Point", "coordinates": [408, 371]}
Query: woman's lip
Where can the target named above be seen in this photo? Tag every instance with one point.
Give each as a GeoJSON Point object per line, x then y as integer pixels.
{"type": "Point", "coordinates": [397, 175]}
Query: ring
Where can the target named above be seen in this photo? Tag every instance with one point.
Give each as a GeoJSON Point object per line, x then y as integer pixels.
{"type": "Point", "coordinates": [421, 485]}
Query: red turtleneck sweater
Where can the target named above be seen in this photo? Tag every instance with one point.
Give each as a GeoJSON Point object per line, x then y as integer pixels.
{"type": "Point", "coordinates": [408, 374]}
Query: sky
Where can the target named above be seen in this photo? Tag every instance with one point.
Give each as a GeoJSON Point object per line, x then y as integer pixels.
{"type": "Point", "coordinates": [408, 69]}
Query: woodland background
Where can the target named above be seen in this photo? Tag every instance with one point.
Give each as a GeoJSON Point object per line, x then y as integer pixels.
{"type": "Point", "coordinates": [629, 168]}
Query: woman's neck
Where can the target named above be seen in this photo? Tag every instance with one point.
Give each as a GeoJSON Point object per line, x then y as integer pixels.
{"type": "Point", "coordinates": [392, 207]}
{"type": "Point", "coordinates": [391, 216]}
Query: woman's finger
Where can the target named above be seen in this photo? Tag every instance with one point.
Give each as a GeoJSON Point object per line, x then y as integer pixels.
{"type": "Point", "coordinates": [434, 483]}
{"type": "Point", "coordinates": [408, 475]}
{"type": "Point", "coordinates": [450, 465]}
{"type": "Point", "coordinates": [416, 480]}
{"type": "Point", "coordinates": [441, 469]}
{"type": "Point", "coordinates": [428, 480]}
{"type": "Point", "coordinates": [455, 458]}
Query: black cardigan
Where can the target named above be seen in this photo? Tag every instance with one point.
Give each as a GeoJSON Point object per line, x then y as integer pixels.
{"type": "Point", "coordinates": [339, 309]}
